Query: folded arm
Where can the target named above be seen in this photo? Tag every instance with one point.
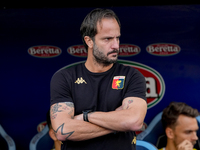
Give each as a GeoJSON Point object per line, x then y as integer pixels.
{"type": "Point", "coordinates": [68, 128]}
{"type": "Point", "coordinates": [128, 117]}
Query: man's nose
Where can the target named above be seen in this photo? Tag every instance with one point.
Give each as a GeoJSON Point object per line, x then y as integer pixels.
{"type": "Point", "coordinates": [115, 44]}
{"type": "Point", "coordinates": [195, 137]}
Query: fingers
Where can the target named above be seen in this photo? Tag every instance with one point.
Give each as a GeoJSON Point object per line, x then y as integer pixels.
{"type": "Point", "coordinates": [79, 117]}
{"type": "Point", "coordinates": [119, 108]}
{"type": "Point", "coordinates": [185, 145]}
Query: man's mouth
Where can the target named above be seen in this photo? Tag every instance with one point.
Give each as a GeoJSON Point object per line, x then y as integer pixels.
{"type": "Point", "coordinates": [114, 52]}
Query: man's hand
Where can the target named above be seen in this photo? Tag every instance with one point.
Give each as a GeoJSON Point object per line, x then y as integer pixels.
{"type": "Point", "coordinates": [79, 117]}
{"type": "Point", "coordinates": [119, 108]}
{"type": "Point", "coordinates": [185, 145]}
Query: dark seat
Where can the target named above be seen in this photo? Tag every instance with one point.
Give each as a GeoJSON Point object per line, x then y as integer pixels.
{"type": "Point", "coordinates": [6, 142]}
{"type": "Point", "coordinates": [143, 145]}
{"type": "Point", "coordinates": [153, 131]}
{"type": "Point", "coordinates": [42, 140]}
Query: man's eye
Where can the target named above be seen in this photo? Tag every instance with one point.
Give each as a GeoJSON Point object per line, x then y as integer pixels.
{"type": "Point", "coordinates": [188, 132]}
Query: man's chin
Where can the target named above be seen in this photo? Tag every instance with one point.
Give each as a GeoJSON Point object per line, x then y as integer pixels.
{"type": "Point", "coordinates": [110, 61]}
{"type": "Point", "coordinates": [193, 143]}
{"type": "Point", "coordinates": [113, 59]}
{"type": "Point", "coordinates": [107, 61]}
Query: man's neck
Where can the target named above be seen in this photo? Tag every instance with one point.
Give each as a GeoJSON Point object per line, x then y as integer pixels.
{"type": "Point", "coordinates": [96, 67]}
{"type": "Point", "coordinates": [170, 146]}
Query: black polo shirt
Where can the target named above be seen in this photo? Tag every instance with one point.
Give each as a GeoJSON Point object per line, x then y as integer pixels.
{"type": "Point", "coordinates": [98, 92]}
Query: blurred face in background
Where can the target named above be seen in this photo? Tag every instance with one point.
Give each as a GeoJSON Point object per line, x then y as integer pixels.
{"type": "Point", "coordinates": [185, 129]}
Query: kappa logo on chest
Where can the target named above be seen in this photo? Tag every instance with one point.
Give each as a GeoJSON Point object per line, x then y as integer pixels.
{"type": "Point", "coordinates": [118, 82]}
{"type": "Point", "coordinates": [80, 81]}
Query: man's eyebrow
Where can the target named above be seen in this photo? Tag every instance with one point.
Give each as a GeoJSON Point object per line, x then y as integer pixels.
{"type": "Point", "coordinates": [110, 37]}
{"type": "Point", "coordinates": [190, 130]}
{"type": "Point", "coordinates": [107, 37]}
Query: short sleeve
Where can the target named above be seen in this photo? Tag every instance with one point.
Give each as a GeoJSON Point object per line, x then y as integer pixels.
{"type": "Point", "coordinates": [59, 88]}
{"type": "Point", "coordinates": [136, 85]}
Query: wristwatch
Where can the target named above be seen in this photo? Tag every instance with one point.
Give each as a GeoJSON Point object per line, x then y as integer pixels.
{"type": "Point", "coordinates": [85, 115]}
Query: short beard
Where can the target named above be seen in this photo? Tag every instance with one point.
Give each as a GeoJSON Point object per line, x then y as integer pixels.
{"type": "Point", "coordinates": [101, 59]}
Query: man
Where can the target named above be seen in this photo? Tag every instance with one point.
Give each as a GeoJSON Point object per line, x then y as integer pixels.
{"type": "Point", "coordinates": [180, 124]}
{"type": "Point", "coordinates": [100, 103]}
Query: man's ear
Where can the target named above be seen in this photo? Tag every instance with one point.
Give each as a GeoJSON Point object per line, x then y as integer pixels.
{"type": "Point", "coordinates": [169, 132]}
{"type": "Point", "coordinates": [88, 41]}
{"type": "Point", "coordinates": [52, 134]}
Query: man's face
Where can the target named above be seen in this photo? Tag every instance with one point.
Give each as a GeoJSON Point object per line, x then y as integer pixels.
{"type": "Point", "coordinates": [106, 41]}
{"type": "Point", "coordinates": [185, 129]}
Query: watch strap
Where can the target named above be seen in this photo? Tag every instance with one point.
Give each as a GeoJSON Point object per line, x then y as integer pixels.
{"type": "Point", "coordinates": [85, 115]}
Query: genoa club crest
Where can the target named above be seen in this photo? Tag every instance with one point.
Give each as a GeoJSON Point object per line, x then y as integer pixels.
{"type": "Point", "coordinates": [118, 82]}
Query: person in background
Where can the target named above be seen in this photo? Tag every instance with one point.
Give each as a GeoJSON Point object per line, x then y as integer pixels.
{"type": "Point", "coordinates": [180, 124]}
{"type": "Point", "coordinates": [98, 104]}
{"type": "Point", "coordinates": [57, 143]}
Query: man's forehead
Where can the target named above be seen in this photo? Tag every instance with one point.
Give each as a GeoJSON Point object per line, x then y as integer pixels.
{"type": "Point", "coordinates": [186, 122]}
{"type": "Point", "coordinates": [106, 23]}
